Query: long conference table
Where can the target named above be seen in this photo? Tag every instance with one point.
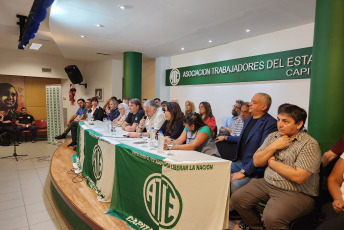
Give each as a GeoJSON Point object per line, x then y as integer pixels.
{"type": "Point", "coordinates": [147, 190]}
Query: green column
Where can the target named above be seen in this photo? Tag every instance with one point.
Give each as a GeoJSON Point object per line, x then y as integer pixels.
{"type": "Point", "coordinates": [132, 74]}
{"type": "Point", "coordinates": [326, 107]}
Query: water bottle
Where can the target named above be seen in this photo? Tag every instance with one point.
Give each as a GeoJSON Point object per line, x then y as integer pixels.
{"type": "Point", "coordinates": [108, 125]}
{"type": "Point", "coordinates": [160, 142]}
{"type": "Point", "coordinates": [152, 137]}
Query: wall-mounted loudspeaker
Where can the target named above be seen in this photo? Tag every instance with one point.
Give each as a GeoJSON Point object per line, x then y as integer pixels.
{"type": "Point", "coordinates": [74, 74]}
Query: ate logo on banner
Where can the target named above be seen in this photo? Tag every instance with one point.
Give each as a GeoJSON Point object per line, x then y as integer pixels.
{"type": "Point", "coordinates": [174, 77]}
{"type": "Point", "coordinates": [162, 200]}
{"type": "Point", "coordinates": [97, 162]}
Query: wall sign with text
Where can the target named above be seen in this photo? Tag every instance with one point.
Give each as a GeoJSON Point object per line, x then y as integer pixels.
{"type": "Point", "coordinates": [291, 64]}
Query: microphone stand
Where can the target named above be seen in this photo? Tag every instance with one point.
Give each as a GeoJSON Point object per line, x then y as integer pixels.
{"type": "Point", "coordinates": [15, 155]}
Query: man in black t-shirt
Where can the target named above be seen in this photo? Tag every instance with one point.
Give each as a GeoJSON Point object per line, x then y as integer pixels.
{"type": "Point", "coordinates": [134, 117]}
{"type": "Point", "coordinates": [25, 121]}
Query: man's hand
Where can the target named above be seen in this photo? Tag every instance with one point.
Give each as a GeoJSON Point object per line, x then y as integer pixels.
{"type": "Point", "coordinates": [338, 206]}
{"type": "Point", "coordinates": [271, 159]}
{"type": "Point", "coordinates": [133, 135]}
{"type": "Point", "coordinates": [220, 138]}
{"type": "Point", "coordinates": [142, 122]}
{"type": "Point", "coordinates": [68, 123]}
{"type": "Point", "coordinates": [23, 125]}
{"type": "Point", "coordinates": [282, 142]}
{"type": "Point", "coordinates": [237, 176]}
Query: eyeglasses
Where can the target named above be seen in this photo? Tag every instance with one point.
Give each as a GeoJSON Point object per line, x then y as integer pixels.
{"type": "Point", "coordinates": [236, 107]}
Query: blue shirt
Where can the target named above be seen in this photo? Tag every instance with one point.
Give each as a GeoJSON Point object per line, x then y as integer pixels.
{"type": "Point", "coordinates": [114, 114]}
{"type": "Point", "coordinates": [80, 111]}
{"type": "Point", "coordinates": [229, 122]}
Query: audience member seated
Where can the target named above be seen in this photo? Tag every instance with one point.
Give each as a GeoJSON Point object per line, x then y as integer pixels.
{"type": "Point", "coordinates": [123, 113]}
{"type": "Point", "coordinates": [175, 100]}
{"type": "Point", "coordinates": [97, 113]}
{"type": "Point", "coordinates": [335, 211]}
{"type": "Point", "coordinates": [227, 145]}
{"type": "Point", "coordinates": [73, 126]}
{"type": "Point", "coordinates": [163, 105]}
{"type": "Point", "coordinates": [173, 126]}
{"type": "Point", "coordinates": [256, 129]}
{"type": "Point", "coordinates": [74, 119]}
{"type": "Point", "coordinates": [126, 100]}
{"type": "Point", "coordinates": [197, 136]}
{"type": "Point", "coordinates": [134, 117]}
{"type": "Point", "coordinates": [154, 118]}
{"type": "Point", "coordinates": [291, 178]}
{"type": "Point", "coordinates": [143, 101]}
{"type": "Point", "coordinates": [25, 121]}
{"type": "Point", "coordinates": [189, 107]}
{"type": "Point", "coordinates": [114, 112]}
{"type": "Point", "coordinates": [207, 116]}
{"type": "Point", "coordinates": [158, 101]}
{"type": "Point", "coordinates": [227, 126]}
{"type": "Point", "coordinates": [106, 107]}
{"type": "Point", "coordinates": [6, 129]}
{"type": "Point", "coordinates": [335, 151]}
{"type": "Point", "coordinates": [238, 125]}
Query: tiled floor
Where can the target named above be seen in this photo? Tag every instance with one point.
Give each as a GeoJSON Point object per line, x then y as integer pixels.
{"type": "Point", "coordinates": [25, 197]}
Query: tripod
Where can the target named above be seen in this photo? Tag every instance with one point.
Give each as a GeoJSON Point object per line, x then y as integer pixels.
{"type": "Point", "coordinates": [15, 155]}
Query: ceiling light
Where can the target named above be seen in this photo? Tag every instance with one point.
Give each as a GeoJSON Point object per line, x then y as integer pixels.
{"type": "Point", "coordinates": [182, 48]}
{"type": "Point", "coordinates": [248, 30]}
{"type": "Point", "coordinates": [82, 35]}
{"type": "Point", "coordinates": [210, 41]}
{"type": "Point", "coordinates": [35, 46]}
{"type": "Point", "coordinates": [122, 7]}
{"type": "Point", "coordinates": [99, 25]}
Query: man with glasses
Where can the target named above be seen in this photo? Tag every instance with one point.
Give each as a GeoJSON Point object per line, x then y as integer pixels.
{"type": "Point", "coordinates": [227, 126]}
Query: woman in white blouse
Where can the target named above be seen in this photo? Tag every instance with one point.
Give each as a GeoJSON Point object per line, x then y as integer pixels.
{"type": "Point", "coordinates": [123, 113]}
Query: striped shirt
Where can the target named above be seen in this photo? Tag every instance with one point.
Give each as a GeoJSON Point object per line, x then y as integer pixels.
{"type": "Point", "coordinates": [237, 127]}
{"type": "Point", "coordinates": [304, 153]}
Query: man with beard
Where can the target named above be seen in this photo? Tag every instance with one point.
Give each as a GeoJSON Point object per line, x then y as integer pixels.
{"type": "Point", "coordinates": [227, 126]}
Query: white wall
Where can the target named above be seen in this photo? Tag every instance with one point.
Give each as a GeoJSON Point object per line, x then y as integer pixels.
{"type": "Point", "coordinates": [223, 96]}
{"type": "Point", "coordinates": [103, 74]}
{"type": "Point", "coordinates": [21, 63]}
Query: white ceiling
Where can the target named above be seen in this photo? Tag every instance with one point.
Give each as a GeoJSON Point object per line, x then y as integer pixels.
{"type": "Point", "coordinates": [153, 27]}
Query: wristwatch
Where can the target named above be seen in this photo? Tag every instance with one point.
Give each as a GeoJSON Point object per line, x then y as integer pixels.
{"type": "Point", "coordinates": [243, 172]}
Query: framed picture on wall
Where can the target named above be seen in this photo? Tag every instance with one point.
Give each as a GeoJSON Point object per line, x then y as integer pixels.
{"type": "Point", "coordinates": [99, 93]}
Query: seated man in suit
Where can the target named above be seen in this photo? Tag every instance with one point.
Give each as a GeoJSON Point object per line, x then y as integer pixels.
{"type": "Point", "coordinates": [25, 121]}
{"type": "Point", "coordinates": [291, 178]}
{"type": "Point", "coordinates": [256, 129]}
{"type": "Point", "coordinates": [227, 144]}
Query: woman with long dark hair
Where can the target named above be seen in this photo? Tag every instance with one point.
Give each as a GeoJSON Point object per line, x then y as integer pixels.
{"type": "Point", "coordinates": [207, 115]}
{"type": "Point", "coordinates": [8, 99]}
{"type": "Point", "coordinates": [197, 136]}
{"type": "Point", "coordinates": [173, 126]}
